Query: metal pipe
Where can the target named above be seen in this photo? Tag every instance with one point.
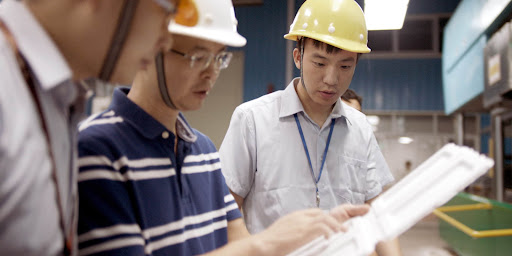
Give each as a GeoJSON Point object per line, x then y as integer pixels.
{"type": "Point", "coordinates": [289, 44]}
{"type": "Point", "coordinates": [498, 155]}
{"type": "Point", "coordinates": [459, 129]}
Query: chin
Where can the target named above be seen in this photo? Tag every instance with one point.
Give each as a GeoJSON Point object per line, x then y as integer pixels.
{"type": "Point", "coordinates": [325, 103]}
{"type": "Point", "coordinates": [192, 108]}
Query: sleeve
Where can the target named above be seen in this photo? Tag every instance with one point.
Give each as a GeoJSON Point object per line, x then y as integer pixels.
{"type": "Point", "coordinates": [378, 174]}
{"type": "Point", "coordinates": [238, 153]}
{"type": "Point", "coordinates": [232, 210]}
{"type": "Point", "coordinates": [107, 223]}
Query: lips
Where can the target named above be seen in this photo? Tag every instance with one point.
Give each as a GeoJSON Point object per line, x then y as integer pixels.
{"type": "Point", "coordinates": [201, 94]}
{"type": "Point", "coordinates": [328, 92]}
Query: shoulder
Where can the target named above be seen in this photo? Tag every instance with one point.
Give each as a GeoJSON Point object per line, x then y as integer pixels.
{"type": "Point", "coordinates": [266, 107]}
{"type": "Point", "coordinates": [100, 124]}
{"type": "Point", "coordinates": [203, 143]}
{"type": "Point", "coordinates": [358, 122]}
{"type": "Point", "coordinates": [355, 116]}
{"type": "Point", "coordinates": [99, 133]}
{"type": "Point", "coordinates": [265, 101]}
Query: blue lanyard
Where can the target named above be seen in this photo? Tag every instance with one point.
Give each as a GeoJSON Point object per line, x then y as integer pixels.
{"type": "Point", "coordinates": [316, 180]}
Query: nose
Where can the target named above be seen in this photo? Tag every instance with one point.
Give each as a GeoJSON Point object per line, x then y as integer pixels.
{"type": "Point", "coordinates": [331, 76]}
{"type": "Point", "coordinates": [210, 74]}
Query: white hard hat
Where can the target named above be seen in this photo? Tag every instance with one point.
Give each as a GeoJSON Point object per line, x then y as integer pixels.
{"type": "Point", "coordinates": [214, 20]}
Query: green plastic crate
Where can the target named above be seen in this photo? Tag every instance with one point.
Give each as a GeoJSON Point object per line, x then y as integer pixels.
{"type": "Point", "coordinates": [498, 217]}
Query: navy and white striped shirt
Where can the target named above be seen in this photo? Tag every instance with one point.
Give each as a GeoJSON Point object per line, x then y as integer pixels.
{"type": "Point", "coordinates": [137, 197]}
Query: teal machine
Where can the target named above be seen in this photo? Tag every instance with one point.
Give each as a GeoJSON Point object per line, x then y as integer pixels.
{"type": "Point", "coordinates": [477, 66]}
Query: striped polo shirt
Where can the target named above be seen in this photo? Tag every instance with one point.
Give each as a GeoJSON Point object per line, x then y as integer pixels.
{"type": "Point", "coordinates": [137, 197]}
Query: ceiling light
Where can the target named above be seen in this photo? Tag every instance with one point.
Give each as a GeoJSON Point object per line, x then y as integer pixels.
{"type": "Point", "coordinates": [385, 14]}
{"type": "Point", "coordinates": [373, 120]}
{"type": "Point", "coordinates": [405, 140]}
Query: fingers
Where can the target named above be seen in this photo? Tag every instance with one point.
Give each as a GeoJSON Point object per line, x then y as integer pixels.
{"type": "Point", "coordinates": [357, 210]}
{"type": "Point", "coordinates": [346, 211]}
{"type": "Point", "coordinates": [329, 224]}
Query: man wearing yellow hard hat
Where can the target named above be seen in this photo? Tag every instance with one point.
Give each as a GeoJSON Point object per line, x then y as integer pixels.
{"type": "Point", "coordinates": [150, 184]}
{"type": "Point", "coordinates": [303, 147]}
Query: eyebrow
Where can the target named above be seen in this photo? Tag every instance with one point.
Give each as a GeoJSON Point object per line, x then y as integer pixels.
{"type": "Point", "coordinates": [206, 49]}
{"type": "Point", "coordinates": [199, 48]}
{"type": "Point", "coordinates": [316, 55]}
{"type": "Point", "coordinates": [349, 59]}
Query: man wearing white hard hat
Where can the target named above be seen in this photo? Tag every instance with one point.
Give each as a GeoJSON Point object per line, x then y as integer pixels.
{"type": "Point", "coordinates": [152, 185]}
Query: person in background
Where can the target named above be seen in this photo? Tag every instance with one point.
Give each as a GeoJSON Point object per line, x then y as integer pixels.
{"type": "Point", "coordinates": [351, 98]}
{"type": "Point", "coordinates": [150, 184]}
{"type": "Point", "coordinates": [46, 48]}
{"type": "Point", "coordinates": [301, 147]}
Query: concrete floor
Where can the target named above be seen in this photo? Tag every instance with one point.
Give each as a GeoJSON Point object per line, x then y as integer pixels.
{"type": "Point", "coordinates": [423, 240]}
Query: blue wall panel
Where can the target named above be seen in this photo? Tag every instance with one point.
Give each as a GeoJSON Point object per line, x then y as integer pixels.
{"type": "Point", "coordinates": [399, 84]}
{"type": "Point", "coordinates": [431, 6]}
{"type": "Point", "coordinates": [484, 143]}
{"type": "Point", "coordinates": [264, 27]}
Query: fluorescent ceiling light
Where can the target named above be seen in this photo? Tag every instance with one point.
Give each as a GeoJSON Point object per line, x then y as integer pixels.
{"type": "Point", "coordinates": [405, 140]}
{"type": "Point", "coordinates": [385, 14]}
{"type": "Point", "coordinates": [373, 120]}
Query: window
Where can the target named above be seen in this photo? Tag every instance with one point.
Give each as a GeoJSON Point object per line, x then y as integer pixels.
{"type": "Point", "coordinates": [416, 35]}
{"type": "Point", "coordinates": [420, 37]}
{"type": "Point", "coordinates": [380, 40]}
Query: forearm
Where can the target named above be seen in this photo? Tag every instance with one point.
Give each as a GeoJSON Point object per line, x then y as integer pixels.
{"type": "Point", "coordinates": [389, 248]}
{"type": "Point", "coordinates": [248, 246]}
{"type": "Point", "coordinates": [237, 230]}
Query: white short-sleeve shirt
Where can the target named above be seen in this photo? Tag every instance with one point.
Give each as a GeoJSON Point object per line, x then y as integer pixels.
{"type": "Point", "coordinates": [29, 210]}
{"type": "Point", "coordinates": [264, 161]}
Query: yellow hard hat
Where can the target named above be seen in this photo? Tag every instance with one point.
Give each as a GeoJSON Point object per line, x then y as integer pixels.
{"type": "Point", "coordinates": [339, 23]}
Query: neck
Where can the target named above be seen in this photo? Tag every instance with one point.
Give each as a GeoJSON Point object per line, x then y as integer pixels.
{"type": "Point", "coordinates": [74, 28]}
{"type": "Point", "coordinates": [319, 113]}
{"type": "Point", "coordinates": [148, 98]}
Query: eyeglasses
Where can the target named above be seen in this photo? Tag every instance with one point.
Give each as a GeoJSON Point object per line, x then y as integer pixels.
{"type": "Point", "coordinates": [169, 7]}
{"type": "Point", "coordinates": [203, 59]}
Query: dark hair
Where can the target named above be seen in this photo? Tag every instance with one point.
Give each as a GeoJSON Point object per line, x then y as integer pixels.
{"type": "Point", "coordinates": [321, 45]}
{"type": "Point", "coordinates": [351, 94]}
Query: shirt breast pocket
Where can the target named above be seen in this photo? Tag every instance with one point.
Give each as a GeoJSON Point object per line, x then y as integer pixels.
{"type": "Point", "coordinates": [353, 174]}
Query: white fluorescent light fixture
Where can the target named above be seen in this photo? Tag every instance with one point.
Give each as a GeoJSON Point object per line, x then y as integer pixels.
{"type": "Point", "coordinates": [373, 120]}
{"type": "Point", "coordinates": [385, 14]}
{"type": "Point", "coordinates": [405, 140]}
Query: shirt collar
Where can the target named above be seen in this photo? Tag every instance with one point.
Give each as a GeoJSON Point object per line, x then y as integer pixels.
{"type": "Point", "coordinates": [38, 49]}
{"type": "Point", "coordinates": [145, 123]}
{"type": "Point", "coordinates": [291, 104]}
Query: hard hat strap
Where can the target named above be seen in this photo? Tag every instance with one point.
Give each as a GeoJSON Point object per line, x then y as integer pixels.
{"type": "Point", "coordinates": [162, 84]}
{"type": "Point", "coordinates": [302, 41]}
{"type": "Point", "coordinates": [118, 39]}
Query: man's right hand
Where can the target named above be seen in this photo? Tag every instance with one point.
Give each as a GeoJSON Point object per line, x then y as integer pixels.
{"type": "Point", "coordinates": [296, 229]}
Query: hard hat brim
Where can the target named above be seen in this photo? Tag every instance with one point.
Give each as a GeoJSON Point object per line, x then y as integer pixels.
{"type": "Point", "coordinates": [232, 39]}
{"type": "Point", "coordinates": [336, 42]}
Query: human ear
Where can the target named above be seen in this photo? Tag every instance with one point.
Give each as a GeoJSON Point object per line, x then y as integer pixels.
{"type": "Point", "coordinates": [296, 57]}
